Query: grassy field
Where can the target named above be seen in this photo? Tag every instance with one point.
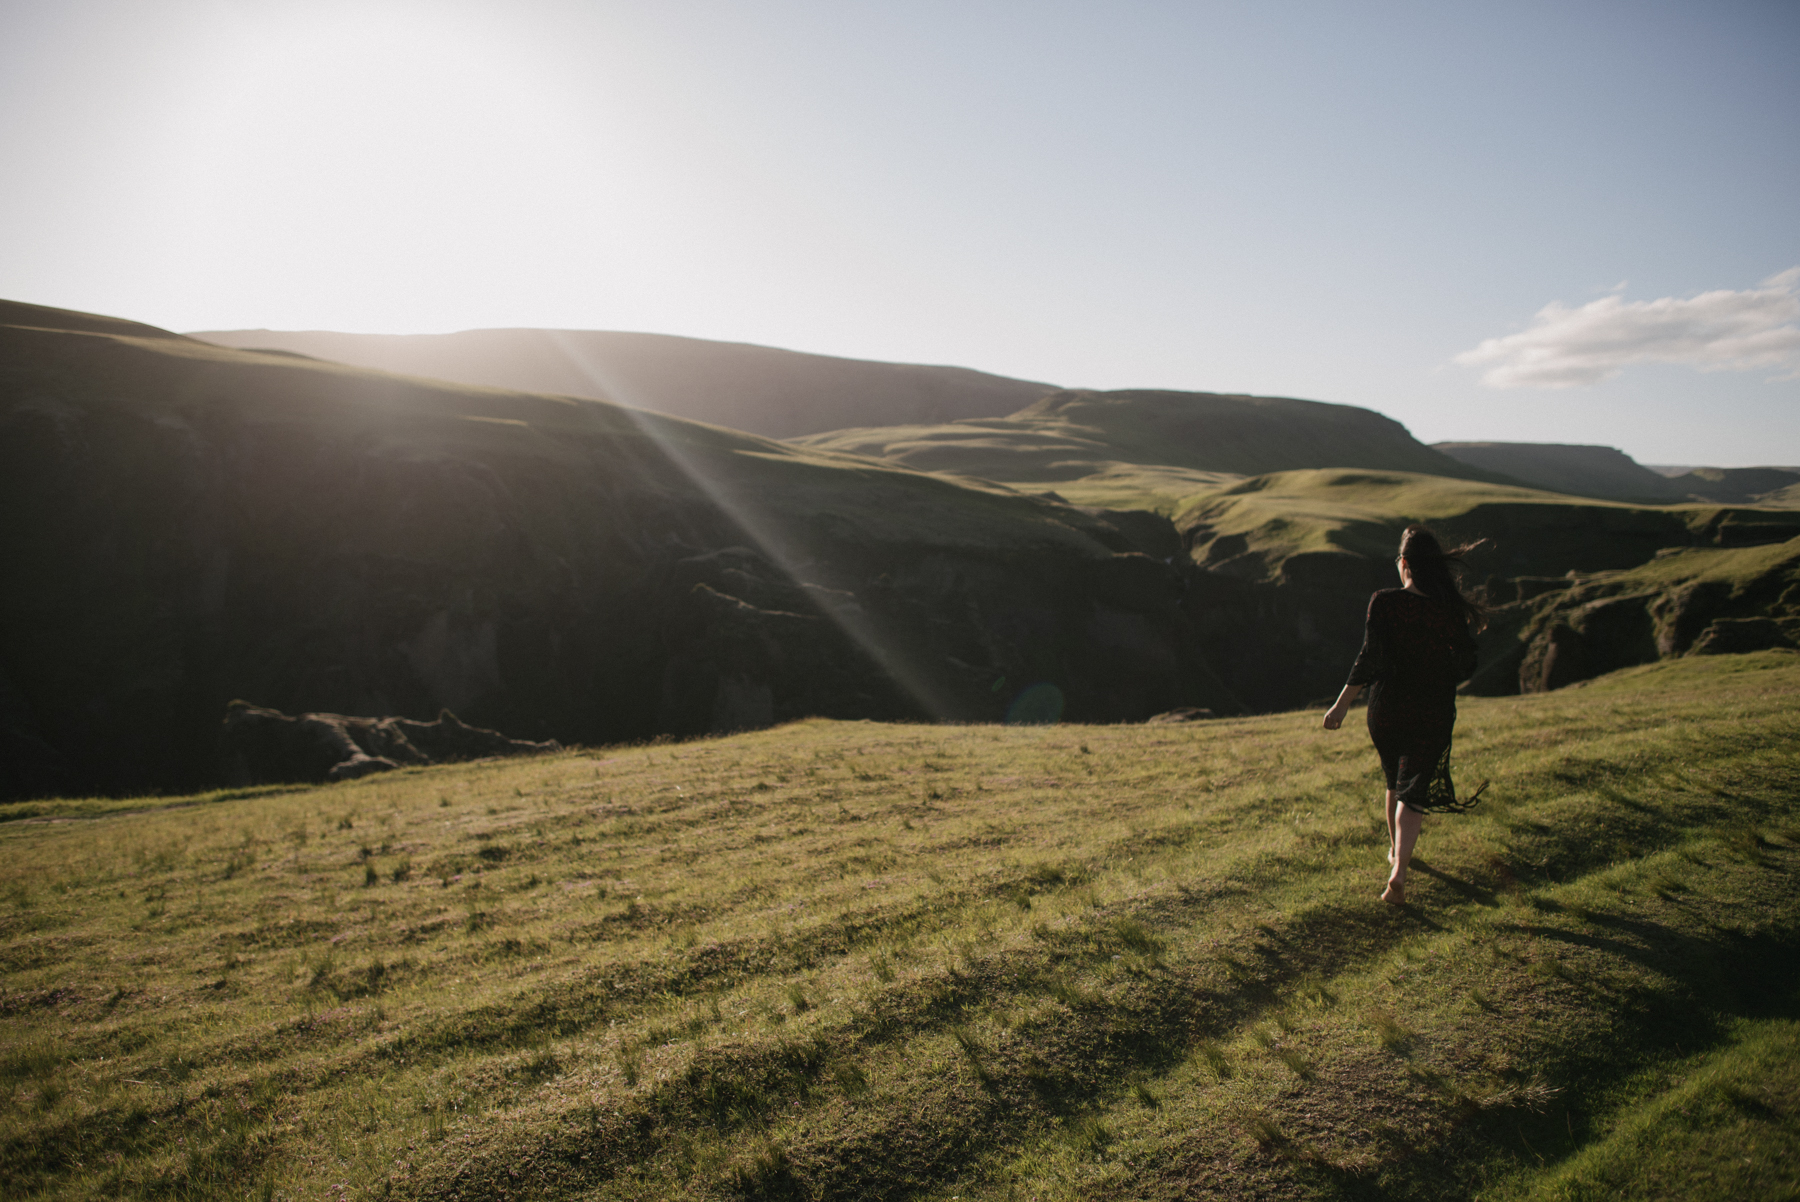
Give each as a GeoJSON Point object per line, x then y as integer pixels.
{"type": "Point", "coordinates": [843, 960]}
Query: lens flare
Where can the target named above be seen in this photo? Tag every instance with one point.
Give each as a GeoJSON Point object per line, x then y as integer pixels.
{"type": "Point", "coordinates": [1039, 705]}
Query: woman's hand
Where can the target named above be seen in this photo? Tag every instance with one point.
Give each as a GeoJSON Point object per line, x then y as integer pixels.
{"type": "Point", "coordinates": [1334, 717]}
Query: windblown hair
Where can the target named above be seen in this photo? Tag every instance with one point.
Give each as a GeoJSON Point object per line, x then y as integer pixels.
{"type": "Point", "coordinates": [1434, 572]}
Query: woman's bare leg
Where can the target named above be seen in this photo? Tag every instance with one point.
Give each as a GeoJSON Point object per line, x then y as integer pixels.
{"type": "Point", "coordinates": [1406, 833]}
{"type": "Point", "coordinates": [1390, 824]}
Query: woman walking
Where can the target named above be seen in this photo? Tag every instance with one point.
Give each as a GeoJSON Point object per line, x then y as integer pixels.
{"type": "Point", "coordinates": [1417, 647]}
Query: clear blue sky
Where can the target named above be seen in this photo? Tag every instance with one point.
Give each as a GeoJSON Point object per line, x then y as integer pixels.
{"type": "Point", "coordinates": [1324, 200]}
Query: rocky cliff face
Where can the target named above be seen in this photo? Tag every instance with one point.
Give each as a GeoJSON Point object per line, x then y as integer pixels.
{"type": "Point", "coordinates": [1548, 633]}
{"type": "Point", "coordinates": [183, 525]}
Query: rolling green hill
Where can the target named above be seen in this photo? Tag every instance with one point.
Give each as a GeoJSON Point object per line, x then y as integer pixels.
{"type": "Point", "coordinates": [845, 960]}
{"type": "Point", "coordinates": [1142, 449]}
{"type": "Point", "coordinates": [1258, 526]}
{"type": "Point", "coordinates": [760, 389]}
{"type": "Point", "coordinates": [1289, 559]}
{"type": "Point", "coordinates": [187, 524]}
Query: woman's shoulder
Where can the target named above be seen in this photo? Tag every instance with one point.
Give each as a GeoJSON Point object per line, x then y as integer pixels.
{"type": "Point", "coordinates": [1381, 605]}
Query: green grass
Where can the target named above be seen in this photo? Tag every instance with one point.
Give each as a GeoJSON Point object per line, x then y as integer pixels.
{"type": "Point", "coordinates": [1735, 568]}
{"type": "Point", "coordinates": [858, 960]}
{"type": "Point", "coordinates": [1147, 449]}
{"type": "Point", "coordinates": [1719, 1124]}
{"type": "Point", "coordinates": [1255, 526]}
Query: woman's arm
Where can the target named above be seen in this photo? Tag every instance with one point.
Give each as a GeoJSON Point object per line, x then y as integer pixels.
{"type": "Point", "coordinates": [1370, 666]}
{"type": "Point", "coordinates": [1334, 717]}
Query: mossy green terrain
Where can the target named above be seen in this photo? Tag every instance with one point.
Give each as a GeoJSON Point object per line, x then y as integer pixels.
{"type": "Point", "coordinates": [839, 959]}
{"type": "Point", "coordinates": [1147, 449]}
{"type": "Point", "coordinates": [1263, 522]}
{"type": "Point", "coordinates": [1685, 600]}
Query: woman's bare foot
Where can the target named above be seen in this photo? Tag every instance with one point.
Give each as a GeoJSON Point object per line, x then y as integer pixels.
{"type": "Point", "coordinates": [1394, 895]}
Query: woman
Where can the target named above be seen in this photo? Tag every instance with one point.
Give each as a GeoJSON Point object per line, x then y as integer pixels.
{"type": "Point", "coordinates": [1416, 649]}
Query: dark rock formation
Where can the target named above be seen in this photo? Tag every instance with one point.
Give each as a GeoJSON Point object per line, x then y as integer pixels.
{"type": "Point", "coordinates": [1731, 636]}
{"type": "Point", "coordinates": [1724, 603]}
{"type": "Point", "coordinates": [264, 746]}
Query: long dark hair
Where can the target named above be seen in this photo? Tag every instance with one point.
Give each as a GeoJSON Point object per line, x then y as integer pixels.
{"type": "Point", "coordinates": [1432, 575]}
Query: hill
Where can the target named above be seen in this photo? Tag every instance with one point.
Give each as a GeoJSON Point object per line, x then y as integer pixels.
{"type": "Point", "coordinates": [843, 960]}
{"type": "Point", "coordinates": [1165, 445]}
{"type": "Point", "coordinates": [1589, 471]}
{"type": "Point", "coordinates": [1547, 633]}
{"type": "Point", "coordinates": [759, 389]}
{"type": "Point", "coordinates": [1287, 561]}
{"type": "Point", "coordinates": [189, 524]}
{"type": "Point", "coordinates": [1581, 471]}
{"type": "Point", "coordinates": [1737, 485]}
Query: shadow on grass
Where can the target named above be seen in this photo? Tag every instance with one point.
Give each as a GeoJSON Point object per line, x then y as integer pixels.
{"type": "Point", "coordinates": [1469, 891]}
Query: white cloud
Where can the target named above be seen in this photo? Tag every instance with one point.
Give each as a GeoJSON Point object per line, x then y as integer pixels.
{"type": "Point", "coordinates": [1715, 331]}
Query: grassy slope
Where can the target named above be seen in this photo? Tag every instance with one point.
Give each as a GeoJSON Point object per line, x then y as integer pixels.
{"type": "Point", "coordinates": [1277, 516]}
{"type": "Point", "coordinates": [1786, 498]}
{"type": "Point", "coordinates": [1152, 450]}
{"type": "Point", "coordinates": [755, 388]}
{"type": "Point", "coordinates": [210, 523]}
{"type": "Point", "coordinates": [174, 378]}
{"type": "Point", "coordinates": [843, 959]}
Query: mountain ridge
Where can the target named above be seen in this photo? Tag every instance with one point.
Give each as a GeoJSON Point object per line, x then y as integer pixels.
{"type": "Point", "coordinates": [1610, 474]}
{"type": "Point", "coordinates": [744, 386]}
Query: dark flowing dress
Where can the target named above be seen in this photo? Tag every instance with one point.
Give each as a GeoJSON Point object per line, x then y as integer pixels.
{"type": "Point", "coordinates": [1415, 651]}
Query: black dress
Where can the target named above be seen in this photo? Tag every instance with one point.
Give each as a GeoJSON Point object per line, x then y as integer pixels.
{"type": "Point", "coordinates": [1415, 651]}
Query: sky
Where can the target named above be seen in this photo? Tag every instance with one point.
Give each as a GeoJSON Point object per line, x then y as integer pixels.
{"type": "Point", "coordinates": [1575, 221]}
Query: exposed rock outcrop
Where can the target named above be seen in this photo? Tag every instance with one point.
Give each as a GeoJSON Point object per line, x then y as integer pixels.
{"type": "Point", "coordinates": [265, 746]}
{"type": "Point", "coordinates": [1686, 602]}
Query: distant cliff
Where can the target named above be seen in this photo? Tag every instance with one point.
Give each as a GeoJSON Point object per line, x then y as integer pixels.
{"type": "Point", "coordinates": [1607, 472]}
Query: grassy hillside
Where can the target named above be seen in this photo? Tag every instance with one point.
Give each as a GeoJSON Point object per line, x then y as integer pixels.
{"type": "Point", "coordinates": [190, 524]}
{"type": "Point", "coordinates": [1264, 522]}
{"type": "Point", "coordinates": [857, 960]}
{"type": "Point", "coordinates": [1146, 449]}
{"type": "Point", "coordinates": [1288, 561]}
{"type": "Point", "coordinates": [775, 393]}
{"type": "Point", "coordinates": [1690, 600]}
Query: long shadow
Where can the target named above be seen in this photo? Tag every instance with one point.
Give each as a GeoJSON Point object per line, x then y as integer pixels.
{"type": "Point", "coordinates": [1468, 890]}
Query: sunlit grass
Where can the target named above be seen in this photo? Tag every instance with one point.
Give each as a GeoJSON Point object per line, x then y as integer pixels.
{"type": "Point", "coordinates": [848, 959]}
